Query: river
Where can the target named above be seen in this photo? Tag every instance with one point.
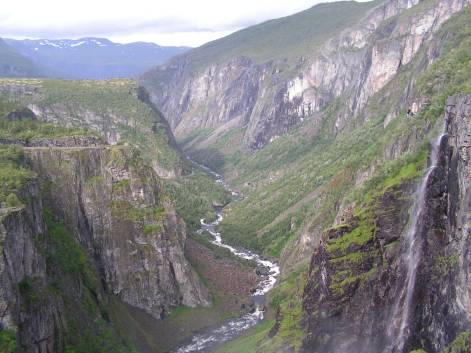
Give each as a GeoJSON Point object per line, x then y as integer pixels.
{"type": "Point", "coordinates": [208, 340]}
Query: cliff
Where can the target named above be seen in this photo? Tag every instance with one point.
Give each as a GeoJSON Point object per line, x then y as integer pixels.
{"type": "Point", "coordinates": [19, 230]}
{"type": "Point", "coordinates": [266, 98]}
{"type": "Point", "coordinates": [354, 297]}
{"type": "Point", "coordinates": [117, 209]}
{"type": "Point", "coordinates": [93, 224]}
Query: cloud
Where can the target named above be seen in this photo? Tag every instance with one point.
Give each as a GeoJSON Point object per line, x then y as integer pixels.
{"type": "Point", "coordinates": [174, 22]}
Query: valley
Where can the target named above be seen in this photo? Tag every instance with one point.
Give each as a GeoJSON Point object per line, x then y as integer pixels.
{"type": "Point", "coordinates": [302, 185]}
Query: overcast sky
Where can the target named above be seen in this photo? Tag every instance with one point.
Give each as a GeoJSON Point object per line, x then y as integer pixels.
{"type": "Point", "coordinates": [166, 22]}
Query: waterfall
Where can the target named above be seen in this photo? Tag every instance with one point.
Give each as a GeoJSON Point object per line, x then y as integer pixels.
{"type": "Point", "coordinates": [399, 329]}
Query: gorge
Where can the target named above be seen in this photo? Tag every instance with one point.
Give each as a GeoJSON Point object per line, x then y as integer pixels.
{"type": "Point", "coordinates": [205, 342]}
{"type": "Point", "coordinates": [301, 185]}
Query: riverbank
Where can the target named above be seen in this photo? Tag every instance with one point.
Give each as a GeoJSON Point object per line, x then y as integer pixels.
{"type": "Point", "coordinates": [268, 271]}
{"type": "Point", "coordinates": [229, 281]}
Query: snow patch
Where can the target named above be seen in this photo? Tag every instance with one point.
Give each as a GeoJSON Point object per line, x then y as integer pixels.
{"type": "Point", "coordinates": [46, 42]}
{"type": "Point", "coordinates": [78, 44]}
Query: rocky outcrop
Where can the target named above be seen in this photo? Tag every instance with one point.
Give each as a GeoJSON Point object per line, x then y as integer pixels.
{"type": "Point", "coordinates": [459, 202]}
{"type": "Point", "coordinates": [117, 210]}
{"type": "Point", "coordinates": [122, 234]}
{"type": "Point", "coordinates": [356, 281]}
{"type": "Point", "coordinates": [349, 282]}
{"type": "Point", "coordinates": [116, 110]}
{"type": "Point", "coordinates": [20, 114]}
{"type": "Point", "coordinates": [267, 103]}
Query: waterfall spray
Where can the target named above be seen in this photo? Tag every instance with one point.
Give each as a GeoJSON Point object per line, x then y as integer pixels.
{"type": "Point", "coordinates": [400, 326]}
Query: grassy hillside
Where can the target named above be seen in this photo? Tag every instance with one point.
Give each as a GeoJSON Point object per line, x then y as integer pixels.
{"type": "Point", "coordinates": [13, 64]}
{"type": "Point", "coordinates": [289, 37]}
{"type": "Point", "coordinates": [110, 107]}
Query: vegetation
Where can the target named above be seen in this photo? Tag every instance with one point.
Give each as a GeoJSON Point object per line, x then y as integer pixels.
{"type": "Point", "coordinates": [280, 333]}
{"type": "Point", "coordinates": [461, 344]}
{"type": "Point", "coordinates": [13, 175]}
{"type": "Point", "coordinates": [286, 300]}
{"type": "Point", "coordinates": [28, 130]}
{"type": "Point", "coordinates": [249, 341]}
{"type": "Point", "coordinates": [7, 341]}
{"type": "Point", "coordinates": [194, 196]}
{"type": "Point", "coordinates": [311, 175]}
{"type": "Point", "coordinates": [289, 37]}
{"type": "Point", "coordinates": [29, 290]}
{"type": "Point", "coordinates": [86, 310]}
{"type": "Point", "coordinates": [65, 252]}
{"type": "Point", "coordinates": [109, 108]}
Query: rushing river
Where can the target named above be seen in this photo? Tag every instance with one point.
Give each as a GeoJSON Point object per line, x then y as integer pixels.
{"type": "Point", "coordinates": [212, 338]}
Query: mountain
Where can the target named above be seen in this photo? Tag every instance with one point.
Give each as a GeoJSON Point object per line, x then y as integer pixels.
{"type": "Point", "coordinates": [220, 83]}
{"type": "Point", "coordinates": [350, 148]}
{"type": "Point", "coordinates": [13, 64]}
{"type": "Point", "coordinates": [92, 58]}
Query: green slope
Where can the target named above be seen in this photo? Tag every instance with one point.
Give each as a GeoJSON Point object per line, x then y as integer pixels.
{"type": "Point", "coordinates": [103, 106]}
{"type": "Point", "coordinates": [289, 37]}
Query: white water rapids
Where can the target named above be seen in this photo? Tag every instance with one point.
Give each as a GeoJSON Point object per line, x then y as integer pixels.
{"type": "Point", "coordinates": [210, 339]}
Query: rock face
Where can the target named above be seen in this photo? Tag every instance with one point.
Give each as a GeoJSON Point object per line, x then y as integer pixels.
{"type": "Point", "coordinates": [268, 102]}
{"type": "Point", "coordinates": [19, 231]}
{"type": "Point", "coordinates": [352, 291]}
{"type": "Point", "coordinates": [117, 210]}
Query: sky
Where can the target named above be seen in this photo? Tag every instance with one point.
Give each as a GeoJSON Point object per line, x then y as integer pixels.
{"type": "Point", "coordinates": [165, 22]}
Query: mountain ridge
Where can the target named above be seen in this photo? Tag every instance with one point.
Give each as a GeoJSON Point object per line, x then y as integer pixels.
{"type": "Point", "coordinates": [91, 57]}
{"type": "Point", "coordinates": [14, 64]}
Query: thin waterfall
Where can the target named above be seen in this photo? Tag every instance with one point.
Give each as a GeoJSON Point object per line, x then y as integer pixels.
{"type": "Point", "coordinates": [399, 329]}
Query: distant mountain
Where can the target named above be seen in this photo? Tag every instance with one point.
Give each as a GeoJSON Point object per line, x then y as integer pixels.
{"type": "Point", "coordinates": [91, 58]}
{"type": "Point", "coordinates": [13, 64]}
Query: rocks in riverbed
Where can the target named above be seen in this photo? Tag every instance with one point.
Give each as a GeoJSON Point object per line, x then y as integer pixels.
{"type": "Point", "coordinates": [248, 306]}
{"type": "Point", "coordinates": [217, 204]}
{"type": "Point", "coordinates": [263, 271]}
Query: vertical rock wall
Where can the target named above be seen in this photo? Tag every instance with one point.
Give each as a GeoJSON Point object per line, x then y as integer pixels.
{"type": "Point", "coordinates": [352, 290]}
